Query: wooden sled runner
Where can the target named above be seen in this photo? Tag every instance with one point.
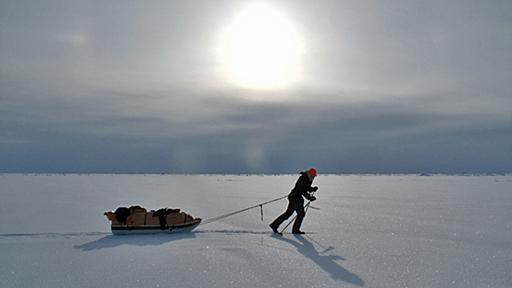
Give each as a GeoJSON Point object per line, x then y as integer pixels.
{"type": "Point", "coordinates": [137, 220]}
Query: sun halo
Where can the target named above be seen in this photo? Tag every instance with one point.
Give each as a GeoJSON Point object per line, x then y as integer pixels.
{"type": "Point", "coordinates": [260, 49]}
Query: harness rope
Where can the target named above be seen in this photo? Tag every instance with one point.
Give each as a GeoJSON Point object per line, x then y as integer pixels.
{"type": "Point", "coordinates": [213, 219]}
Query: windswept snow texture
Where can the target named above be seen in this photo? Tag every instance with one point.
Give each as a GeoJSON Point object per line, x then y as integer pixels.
{"type": "Point", "coordinates": [366, 231]}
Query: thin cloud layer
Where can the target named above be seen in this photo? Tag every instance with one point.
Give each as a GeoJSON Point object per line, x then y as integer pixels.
{"type": "Point", "coordinates": [395, 88]}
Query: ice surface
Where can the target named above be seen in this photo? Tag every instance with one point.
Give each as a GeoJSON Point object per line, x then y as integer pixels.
{"type": "Point", "coordinates": [371, 231]}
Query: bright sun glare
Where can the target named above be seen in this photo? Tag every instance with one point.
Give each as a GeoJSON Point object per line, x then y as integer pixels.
{"type": "Point", "coordinates": [260, 49]}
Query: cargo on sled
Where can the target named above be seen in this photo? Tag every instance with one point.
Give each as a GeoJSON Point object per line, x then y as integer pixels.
{"type": "Point", "coordinates": [137, 220]}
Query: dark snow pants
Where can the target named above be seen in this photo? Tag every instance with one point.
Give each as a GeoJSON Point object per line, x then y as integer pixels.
{"type": "Point", "coordinates": [294, 205]}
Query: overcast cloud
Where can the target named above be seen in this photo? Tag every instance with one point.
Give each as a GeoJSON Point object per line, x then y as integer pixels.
{"type": "Point", "coordinates": [131, 86]}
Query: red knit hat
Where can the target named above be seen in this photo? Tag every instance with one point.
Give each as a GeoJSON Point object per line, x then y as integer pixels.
{"type": "Point", "coordinates": [312, 172]}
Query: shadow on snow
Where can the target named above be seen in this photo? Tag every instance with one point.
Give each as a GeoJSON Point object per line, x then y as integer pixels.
{"type": "Point", "coordinates": [326, 262]}
{"type": "Point", "coordinates": [112, 241]}
{"type": "Point", "coordinates": [304, 246]}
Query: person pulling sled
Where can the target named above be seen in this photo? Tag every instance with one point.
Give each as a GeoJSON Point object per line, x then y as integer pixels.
{"type": "Point", "coordinates": [302, 189]}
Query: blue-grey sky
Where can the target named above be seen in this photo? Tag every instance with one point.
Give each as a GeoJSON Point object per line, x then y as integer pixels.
{"type": "Point", "coordinates": [141, 86]}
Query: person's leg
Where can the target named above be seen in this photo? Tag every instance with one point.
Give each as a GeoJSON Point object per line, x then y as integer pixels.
{"type": "Point", "coordinates": [289, 211]}
{"type": "Point", "coordinates": [299, 208]}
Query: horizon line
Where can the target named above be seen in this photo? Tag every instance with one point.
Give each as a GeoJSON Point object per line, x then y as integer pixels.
{"type": "Point", "coordinates": [265, 174]}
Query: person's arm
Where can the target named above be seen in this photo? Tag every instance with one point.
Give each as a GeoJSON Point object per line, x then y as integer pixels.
{"type": "Point", "coordinates": [307, 188]}
{"type": "Point", "coordinates": [309, 197]}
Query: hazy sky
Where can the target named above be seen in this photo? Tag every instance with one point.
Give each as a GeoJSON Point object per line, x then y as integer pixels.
{"type": "Point", "coordinates": [223, 87]}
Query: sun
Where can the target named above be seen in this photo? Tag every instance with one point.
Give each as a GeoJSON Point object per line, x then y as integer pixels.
{"type": "Point", "coordinates": [260, 49]}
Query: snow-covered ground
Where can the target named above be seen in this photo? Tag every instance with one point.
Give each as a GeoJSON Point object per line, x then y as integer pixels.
{"type": "Point", "coordinates": [371, 231]}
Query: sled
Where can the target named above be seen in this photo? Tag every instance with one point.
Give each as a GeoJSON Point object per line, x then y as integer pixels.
{"type": "Point", "coordinates": [137, 220]}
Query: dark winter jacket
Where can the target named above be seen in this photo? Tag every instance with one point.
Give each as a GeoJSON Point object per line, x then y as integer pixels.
{"type": "Point", "coordinates": [302, 188]}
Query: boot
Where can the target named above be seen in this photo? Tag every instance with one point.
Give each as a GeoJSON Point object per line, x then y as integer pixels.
{"type": "Point", "coordinates": [275, 229]}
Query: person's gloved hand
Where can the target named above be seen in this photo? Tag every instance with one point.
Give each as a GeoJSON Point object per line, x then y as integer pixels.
{"type": "Point", "coordinates": [315, 189]}
{"type": "Point", "coordinates": [312, 198]}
